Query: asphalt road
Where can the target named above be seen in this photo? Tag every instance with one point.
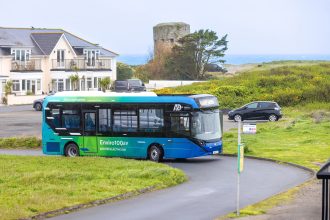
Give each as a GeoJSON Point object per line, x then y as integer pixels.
{"type": "Point", "coordinates": [25, 121]}
{"type": "Point", "coordinates": [19, 121]}
{"type": "Point", "coordinates": [209, 193]}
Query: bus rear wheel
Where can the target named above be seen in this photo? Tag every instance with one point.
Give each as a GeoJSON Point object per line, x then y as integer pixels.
{"type": "Point", "coordinates": [155, 153]}
{"type": "Point", "coordinates": [71, 150]}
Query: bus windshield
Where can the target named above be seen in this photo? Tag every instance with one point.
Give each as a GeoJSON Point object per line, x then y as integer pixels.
{"type": "Point", "coordinates": [206, 125]}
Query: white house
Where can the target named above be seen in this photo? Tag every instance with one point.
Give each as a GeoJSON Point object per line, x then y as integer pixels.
{"type": "Point", "coordinates": [39, 60]}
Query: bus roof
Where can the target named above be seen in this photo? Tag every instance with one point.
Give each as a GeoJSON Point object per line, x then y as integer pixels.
{"type": "Point", "coordinates": [141, 97]}
{"type": "Point", "coordinates": [103, 94]}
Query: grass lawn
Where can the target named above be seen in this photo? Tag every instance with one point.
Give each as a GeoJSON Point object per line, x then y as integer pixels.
{"type": "Point", "coordinates": [301, 137]}
{"type": "Point", "coordinates": [32, 185]}
{"type": "Point", "coordinates": [20, 143]}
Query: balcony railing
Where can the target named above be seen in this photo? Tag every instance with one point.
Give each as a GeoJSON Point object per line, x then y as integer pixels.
{"type": "Point", "coordinates": [26, 66]}
{"type": "Point", "coordinates": [81, 64]}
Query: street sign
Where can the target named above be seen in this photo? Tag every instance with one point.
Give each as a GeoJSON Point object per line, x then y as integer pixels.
{"type": "Point", "coordinates": [240, 158]}
{"type": "Point", "coordinates": [249, 128]}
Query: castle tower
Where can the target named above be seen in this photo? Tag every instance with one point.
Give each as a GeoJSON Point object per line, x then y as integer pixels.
{"type": "Point", "coordinates": [166, 35]}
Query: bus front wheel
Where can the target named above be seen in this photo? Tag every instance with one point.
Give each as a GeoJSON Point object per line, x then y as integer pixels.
{"type": "Point", "coordinates": [155, 153]}
{"type": "Point", "coordinates": [71, 150]}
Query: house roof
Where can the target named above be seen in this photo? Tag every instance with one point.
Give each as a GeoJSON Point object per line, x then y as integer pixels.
{"type": "Point", "coordinates": [42, 41]}
{"type": "Point", "coordinates": [46, 41]}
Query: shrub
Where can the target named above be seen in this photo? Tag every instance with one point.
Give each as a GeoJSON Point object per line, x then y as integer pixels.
{"type": "Point", "coordinates": [288, 85]}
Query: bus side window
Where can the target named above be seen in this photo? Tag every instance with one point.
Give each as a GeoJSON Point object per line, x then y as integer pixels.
{"type": "Point", "coordinates": [104, 120]}
{"type": "Point", "coordinates": [55, 113]}
{"type": "Point", "coordinates": [180, 124]}
{"type": "Point", "coordinates": [151, 120]}
{"type": "Point", "coordinates": [125, 121]}
{"type": "Point", "coordinates": [71, 119]}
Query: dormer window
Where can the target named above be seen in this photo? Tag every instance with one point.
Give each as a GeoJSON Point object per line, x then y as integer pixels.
{"type": "Point", "coordinates": [91, 55]}
{"type": "Point", "coordinates": [21, 54]}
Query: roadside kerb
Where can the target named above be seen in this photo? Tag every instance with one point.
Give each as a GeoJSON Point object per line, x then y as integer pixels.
{"type": "Point", "coordinates": [275, 161]}
{"type": "Point", "coordinates": [90, 204]}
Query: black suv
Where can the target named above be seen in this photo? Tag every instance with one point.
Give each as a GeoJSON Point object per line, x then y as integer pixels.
{"type": "Point", "coordinates": [121, 86]}
{"type": "Point", "coordinates": [130, 85]}
{"type": "Point", "coordinates": [261, 110]}
{"type": "Point", "coordinates": [136, 85]}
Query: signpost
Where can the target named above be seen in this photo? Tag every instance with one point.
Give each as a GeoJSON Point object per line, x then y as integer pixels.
{"type": "Point", "coordinates": [247, 129]}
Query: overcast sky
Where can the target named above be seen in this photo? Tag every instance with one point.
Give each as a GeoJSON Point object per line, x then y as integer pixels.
{"type": "Point", "coordinates": [125, 26]}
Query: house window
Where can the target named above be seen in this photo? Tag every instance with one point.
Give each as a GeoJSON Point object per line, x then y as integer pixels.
{"type": "Point", "coordinates": [91, 56]}
{"type": "Point", "coordinates": [89, 83]}
{"type": "Point", "coordinates": [23, 85]}
{"type": "Point", "coordinates": [28, 85]}
{"type": "Point", "coordinates": [95, 82]}
{"type": "Point", "coordinates": [60, 58]}
{"type": "Point", "coordinates": [60, 85]}
{"type": "Point", "coordinates": [38, 85]}
{"type": "Point", "coordinates": [16, 85]}
{"type": "Point", "coordinates": [67, 84]}
{"type": "Point", "coordinates": [21, 54]}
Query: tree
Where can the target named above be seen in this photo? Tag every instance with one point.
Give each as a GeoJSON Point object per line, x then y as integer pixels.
{"type": "Point", "coordinates": [124, 71]}
{"type": "Point", "coordinates": [105, 83]}
{"type": "Point", "coordinates": [193, 52]}
{"type": "Point", "coordinates": [74, 78]}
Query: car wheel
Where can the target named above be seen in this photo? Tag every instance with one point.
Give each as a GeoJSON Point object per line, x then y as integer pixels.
{"type": "Point", "coordinates": [155, 153]}
{"type": "Point", "coordinates": [38, 106]}
{"type": "Point", "coordinates": [72, 150]}
{"type": "Point", "coordinates": [272, 117]}
{"type": "Point", "coordinates": [237, 118]}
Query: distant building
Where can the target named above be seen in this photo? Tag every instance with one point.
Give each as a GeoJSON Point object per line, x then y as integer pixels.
{"type": "Point", "coordinates": [39, 60]}
{"type": "Point", "coordinates": [166, 35]}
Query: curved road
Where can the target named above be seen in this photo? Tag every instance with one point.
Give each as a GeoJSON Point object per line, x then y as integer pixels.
{"type": "Point", "coordinates": [209, 193]}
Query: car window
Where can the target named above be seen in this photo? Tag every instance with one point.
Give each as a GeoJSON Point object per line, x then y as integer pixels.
{"type": "Point", "coordinates": [121, 83]}
{"type": "Point", "coordinates": [265, 105]}
{"type": "Point", "coordinates": [252, 105]}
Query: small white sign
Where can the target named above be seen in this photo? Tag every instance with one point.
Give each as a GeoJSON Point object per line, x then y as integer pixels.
{"type": "Point", "coordinates": [249, 129]}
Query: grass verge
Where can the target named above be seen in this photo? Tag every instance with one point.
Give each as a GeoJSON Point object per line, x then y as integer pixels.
{"type": "Point", "coordinates": [33, 185]}
{"type": "Point", "coordinates": [301, 137]}
{"type": "Point", "coordinates": [20, 143]}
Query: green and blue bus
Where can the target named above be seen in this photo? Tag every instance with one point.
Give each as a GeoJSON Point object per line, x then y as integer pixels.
{"type": "Point", "coordinates": [131, 125]}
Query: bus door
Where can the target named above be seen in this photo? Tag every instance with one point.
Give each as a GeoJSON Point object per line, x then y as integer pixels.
{"type": "Point", "coordinates": [90, 139]}
{"type": "Point", "coordinates": [178, 146]}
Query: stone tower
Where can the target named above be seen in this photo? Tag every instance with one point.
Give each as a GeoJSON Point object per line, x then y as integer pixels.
{"type": "Point", "coordinates": [166, 35]}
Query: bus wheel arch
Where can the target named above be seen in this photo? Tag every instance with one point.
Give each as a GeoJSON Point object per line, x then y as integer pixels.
{"type": "Point", "coordinates": [155, 152]}
{"type": "Point", "coordinates": [71, 149]}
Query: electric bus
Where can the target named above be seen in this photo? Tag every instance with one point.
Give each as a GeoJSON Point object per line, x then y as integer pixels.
{"type": "Point", "coordinates": [131, 125]}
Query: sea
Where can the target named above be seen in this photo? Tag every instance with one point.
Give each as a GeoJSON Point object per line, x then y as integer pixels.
{"type": "Point", "coordinates": [139, 59]}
